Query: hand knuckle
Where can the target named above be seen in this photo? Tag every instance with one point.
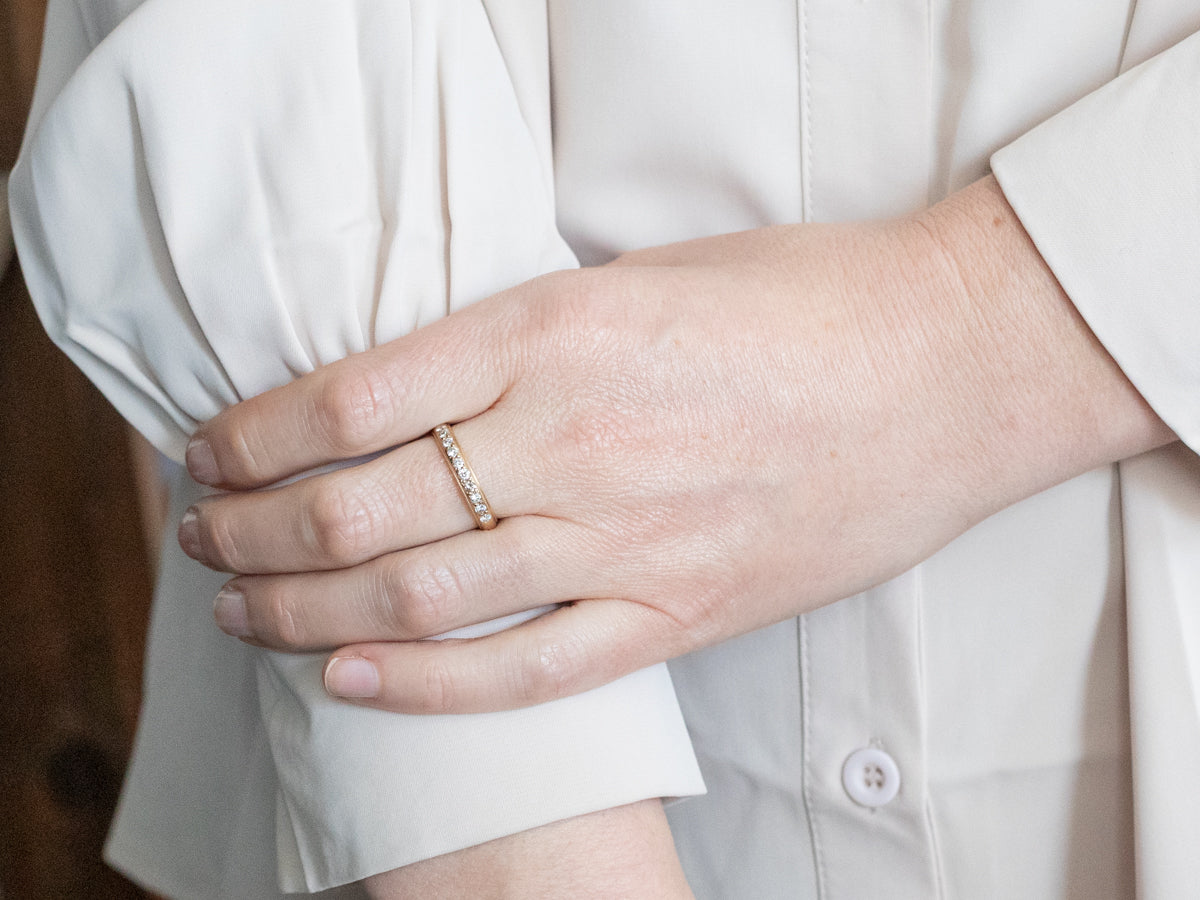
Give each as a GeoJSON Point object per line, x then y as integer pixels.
{"type": "Point", "coordinates": [550, 671]}
{"type": "Point", "coordinates": [354, 407]}
{"type": "Point", "coordinates": [221, 542]}
{"type": "Point", "coordinates": [342, 525]}
{"type": "Point", "coordinates": [284, 620]}
{"type": "Point", "coordinates": [424, 596]}
{"type": "Point", "coordinates": [243, 452]}
{"type": "Point", "coordinates": [441, 692]}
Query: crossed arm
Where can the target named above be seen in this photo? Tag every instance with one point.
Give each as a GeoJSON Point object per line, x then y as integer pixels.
{"type": "Point", "coordinates": [654, 436]}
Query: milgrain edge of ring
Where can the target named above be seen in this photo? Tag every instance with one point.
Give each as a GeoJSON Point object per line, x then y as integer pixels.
{"type": "Point", "coordinates": [468, 485]}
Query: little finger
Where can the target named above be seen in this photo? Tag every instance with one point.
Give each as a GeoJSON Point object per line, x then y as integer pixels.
{"type": "Point", "coordinates": [570, 650]}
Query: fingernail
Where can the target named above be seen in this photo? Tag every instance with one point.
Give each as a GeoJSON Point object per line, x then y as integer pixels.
{"type": "Point", "coordinates": [352, 677]}
{"type": "Point", "coordinates": [189, 534]}
{"type": "Point", "coordinates": [229, 609]}
{"type": "Point", "coordinates": [201, 462]}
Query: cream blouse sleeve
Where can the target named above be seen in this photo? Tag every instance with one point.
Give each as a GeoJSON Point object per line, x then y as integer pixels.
{"type": "Point", "coordinates": [1109, 190]}
{"type": "Point", "coordinates": [214, 198]}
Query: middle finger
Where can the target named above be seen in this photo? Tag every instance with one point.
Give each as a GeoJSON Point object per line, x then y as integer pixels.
{"type": "Point", "coordinates": [404, 498]}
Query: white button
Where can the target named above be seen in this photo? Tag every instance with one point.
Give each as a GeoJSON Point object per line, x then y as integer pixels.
{"type": "Point", "coordinates": [871, 777]}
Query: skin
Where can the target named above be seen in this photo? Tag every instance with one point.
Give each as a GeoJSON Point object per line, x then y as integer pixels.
{"type": "Point", "coordinates": [693, 442]}
{"type": "Point", "coordinates": [625, 852]}
{"type": "Point", "coordinates": [677, 473]}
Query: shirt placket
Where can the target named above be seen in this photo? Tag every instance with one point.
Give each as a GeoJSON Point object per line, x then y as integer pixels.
{"type": "Point", "coordinates": [866, 152]}
{"type": "Point", "coordinates": [863, 720]}
{"type": "Point", "coordinates": [865, 107]}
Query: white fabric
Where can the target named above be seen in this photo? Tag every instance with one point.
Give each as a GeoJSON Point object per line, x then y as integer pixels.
{"type": "Point", "coordinates": [1110, 192]}
{"type": "Point", "coordinates": [262, 258]}
{"type": "Point", "coordinates": [1036, 682]}
{"type": "Point", "coordinates": [223, 196]}
{"type": "Point", "coordinates": [995, 674]}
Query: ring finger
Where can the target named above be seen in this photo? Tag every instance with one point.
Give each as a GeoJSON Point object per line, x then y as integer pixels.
{"type": "Point", "coordinates": [404, 498]}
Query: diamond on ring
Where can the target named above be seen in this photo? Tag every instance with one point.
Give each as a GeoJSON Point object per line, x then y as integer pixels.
{"type": "Point", "coordinates": [468, 484]}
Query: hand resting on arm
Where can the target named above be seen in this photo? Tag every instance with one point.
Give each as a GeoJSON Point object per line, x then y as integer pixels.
{"type": "Point", "coordinates": [696, 441]}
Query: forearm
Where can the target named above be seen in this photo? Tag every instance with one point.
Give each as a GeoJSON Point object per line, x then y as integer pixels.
{"type": "Point", "coordinates": [625, 852]}
{"type": "Point", "coordinates": [1038, 399]}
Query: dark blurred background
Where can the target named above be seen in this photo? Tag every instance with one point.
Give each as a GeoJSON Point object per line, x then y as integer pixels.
{"type": "Point", "coordinates": [74, 575]}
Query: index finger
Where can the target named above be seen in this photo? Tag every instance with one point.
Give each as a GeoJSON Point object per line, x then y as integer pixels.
{"type": "Point", "coordinates": [447, 371]}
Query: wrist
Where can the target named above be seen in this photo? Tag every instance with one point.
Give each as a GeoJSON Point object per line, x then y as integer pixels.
{"type": "Point", "coordinates": [1037, 399]}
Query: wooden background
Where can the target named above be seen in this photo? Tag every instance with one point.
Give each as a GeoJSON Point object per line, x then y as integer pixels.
{"type": "Point", "coordinates": [74, 579]}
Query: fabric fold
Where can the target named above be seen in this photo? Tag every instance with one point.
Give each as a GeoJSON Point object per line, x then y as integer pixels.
{"type": "Point", "coordinates": [213, 199]}
{"type": "Point", "coordinates": [1109, 190]}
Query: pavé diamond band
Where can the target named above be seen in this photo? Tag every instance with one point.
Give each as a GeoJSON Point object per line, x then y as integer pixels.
{"type": "Point", "coordinates": [468, 484]}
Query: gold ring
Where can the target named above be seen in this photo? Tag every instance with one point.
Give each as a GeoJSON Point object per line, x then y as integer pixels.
{"type": "Point", "coordinates": [468, 484]}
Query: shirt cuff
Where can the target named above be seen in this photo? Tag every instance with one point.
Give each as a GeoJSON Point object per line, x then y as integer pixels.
{"type": "Point", "coordinates": [1109, 191]}
{"type": "Point", "coordinates": [364, 791]}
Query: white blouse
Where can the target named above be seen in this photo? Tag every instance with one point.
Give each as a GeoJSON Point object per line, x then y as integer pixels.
{"type": "Point", "coordinates": [213, 199]}
{"type": "Point", "coordinates": [1018, 716]}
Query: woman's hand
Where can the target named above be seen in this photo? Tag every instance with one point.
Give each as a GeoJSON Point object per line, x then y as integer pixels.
{"type": "Point", "coordinates": [690, 443]}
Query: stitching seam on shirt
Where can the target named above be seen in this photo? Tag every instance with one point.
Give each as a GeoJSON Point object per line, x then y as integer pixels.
{"type": "Point", "coordinates": [1133, 5]}
{"type": "Point", "coordinates": [806, 144]}
{"type": "Point", "coordinates": [90, 31]}
{"type": "Point", "coordinates": [939, 880]}
{"type": "Point", "coordinates": [931, 103]}
{"type": "Point", "coordinates": [806, 758]}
